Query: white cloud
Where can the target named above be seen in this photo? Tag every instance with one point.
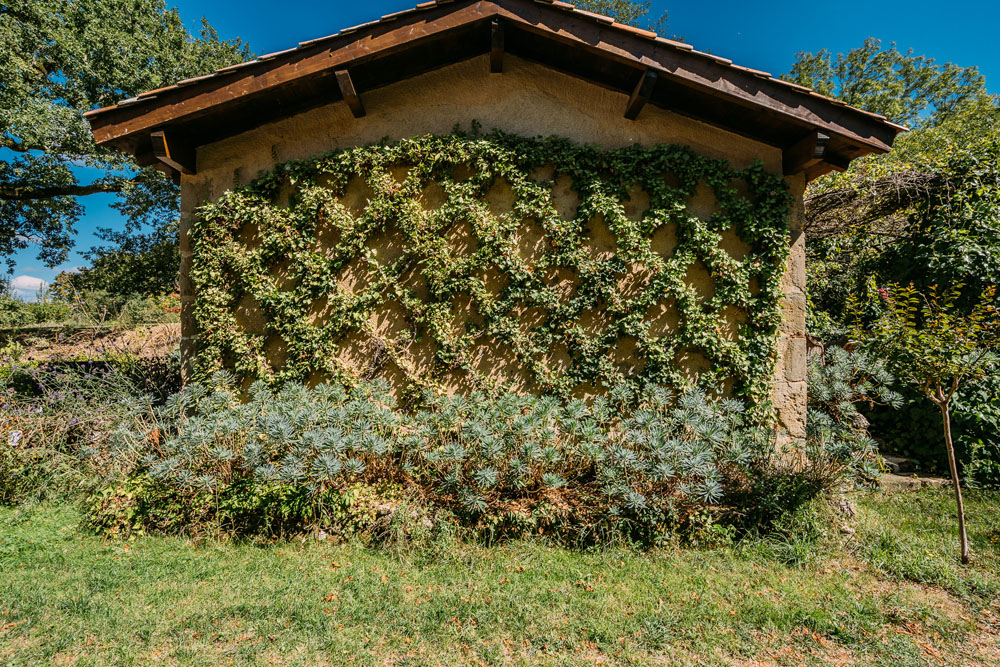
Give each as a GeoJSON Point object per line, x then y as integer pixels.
{"type": "Point", "coordinates": [27, 287]}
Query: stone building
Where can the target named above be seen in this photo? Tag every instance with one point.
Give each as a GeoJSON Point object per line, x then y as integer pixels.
{"type": "Point", "coordinates": [534, 68]}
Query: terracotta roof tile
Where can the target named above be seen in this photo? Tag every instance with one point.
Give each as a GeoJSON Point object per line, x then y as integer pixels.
{"type": "Point", "coordinates": [792, 84]}
{"type": "Point", "coordinates": [310, 42]}
{"type": "Point", "coordinates": [712, 56]}
{"type": "Point", "coordinates": [235, 67]}
{"type": "Point", "coordinates": [360, 26]}
{"type": "Point", "coordinates": [194, 79]}
{"type": "Point", "coordinates": [151, 93]}
{"type": "Point", "coordinates": [756, 72]}
{"type": "Point", "coordinates": [674, 43]}
{"type": "Point", "coordinates": [269, 56]}
{"type": "Point", "coordinates": [396, 15]}
{"type": "Point", "coordinates": [636, 31]}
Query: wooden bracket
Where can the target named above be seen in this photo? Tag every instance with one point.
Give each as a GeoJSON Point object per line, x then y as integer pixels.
{"type": "Point", "coordinates": [805, 153]}
{"type": "Point", "coordinates": [643, 91]}
{"type": "Point", "coordinates": [174, 153]}
{"type": "Point", "coordinates": [350, 93]}
{"type": "Point", "coordinates": [496, 47]}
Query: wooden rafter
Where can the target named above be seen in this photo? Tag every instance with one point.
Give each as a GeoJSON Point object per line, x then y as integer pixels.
{"type": "Point", "coordinates": [350, 93]}
{"type": "Point", "coordinates": [641, 94]}
{"type": "Point", "coordinates": [496, 47]}
{"type": "Point", "coordinates": [805, 153]}
{"type": "Point", "coordinates": [173, 152]}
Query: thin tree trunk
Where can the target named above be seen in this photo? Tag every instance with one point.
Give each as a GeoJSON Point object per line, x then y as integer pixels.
{"type": "Point", "coordinates": [949, 445]}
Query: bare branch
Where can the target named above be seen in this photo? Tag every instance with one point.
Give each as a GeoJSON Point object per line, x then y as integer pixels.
{"type": "Point", "coordinates": [886, 201]}
{"type": "Point", "coordinates": [12, 192]}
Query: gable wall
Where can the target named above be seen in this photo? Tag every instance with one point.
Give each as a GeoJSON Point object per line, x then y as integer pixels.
{"type": "Point", "coordinates": [529, 100]}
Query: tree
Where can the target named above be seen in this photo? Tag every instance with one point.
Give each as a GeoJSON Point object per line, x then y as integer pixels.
{"type": "Point", "coordinates": [133, 264]}
{"type": "Point", "coordinates": [935, 345]}
{"type": "Point", "coordinates": [58, 59]}
{"type": "Point", "coordinates": [912, 90]}
{"type": "Point", "coordinates": [630, 12]}
{"type": "Point", "coordinates": [947, 232]}
{"type": "Point", "coordinates": [860, 221]}
{"type": "Point", "coordinates": [944, 105]}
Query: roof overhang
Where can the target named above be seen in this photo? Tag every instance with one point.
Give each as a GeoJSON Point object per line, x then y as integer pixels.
{"type": "Point", "coordinates": [817, 134]}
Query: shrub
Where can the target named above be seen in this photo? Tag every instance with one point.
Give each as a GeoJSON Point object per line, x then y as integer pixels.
{"type": "Point", "coordinates": [14, 313]}
{"type": "Point", "coordinates": [838, 440]}
{"type": "Point", "coordinates": [54, 419]}
{"type": "Point", "coordinates": [503, 465]}
{"type": "Point", "coordinates": [49, 312]}
{"type": "Point", "coordinates": [212, 459]}
{"type": "Point", "coordinates": [146, 310]}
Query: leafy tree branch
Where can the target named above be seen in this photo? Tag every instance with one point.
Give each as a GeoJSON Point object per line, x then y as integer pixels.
{"type": "Point", "coordinates": [59, 59]}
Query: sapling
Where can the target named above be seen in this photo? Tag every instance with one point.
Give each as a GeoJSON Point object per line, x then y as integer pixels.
{"type": "Point", "coordinates": [930, 341]}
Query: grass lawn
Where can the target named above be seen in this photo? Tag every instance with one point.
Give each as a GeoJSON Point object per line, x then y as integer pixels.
{"type": "Point", "coordinates": [891, 593]}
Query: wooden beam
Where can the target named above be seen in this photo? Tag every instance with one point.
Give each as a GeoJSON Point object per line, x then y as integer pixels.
{"type": "Point", "coordinates": [805, 153]}
{"type": "Point", "coordinates": [173, 152]}
{"type": "Point", "coordinates": [496, 47]}
{"type": "Point", "coordinates": [350, 93]}
{"type": "Point", "coordinates": [643, 91]}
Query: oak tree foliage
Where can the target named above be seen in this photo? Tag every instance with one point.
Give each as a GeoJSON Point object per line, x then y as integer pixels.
{"type": "Point", "coordinates": [59, 59]}
{"type": "Point", "coordinates": [630, 12]}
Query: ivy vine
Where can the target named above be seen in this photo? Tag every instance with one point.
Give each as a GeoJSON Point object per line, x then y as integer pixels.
{"type": "Point", "coordinates": [282, 246]}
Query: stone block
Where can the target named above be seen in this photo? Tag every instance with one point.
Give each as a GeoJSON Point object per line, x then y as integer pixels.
{"type": "Point", "coordinates": [790, 400]}
{"type": "Point", "coordinates": [793, 356]}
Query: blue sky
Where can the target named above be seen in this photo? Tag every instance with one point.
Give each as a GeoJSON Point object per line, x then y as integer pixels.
{"type": "Point", "coordinates": [763, 35]}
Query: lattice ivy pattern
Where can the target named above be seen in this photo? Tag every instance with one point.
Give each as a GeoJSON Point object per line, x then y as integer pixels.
{"type": "Point", "coordinates": [490, 262]}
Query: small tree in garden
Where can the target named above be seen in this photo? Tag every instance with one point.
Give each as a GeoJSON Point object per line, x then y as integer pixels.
{"type": "Point", "coordinates": [933, 344]}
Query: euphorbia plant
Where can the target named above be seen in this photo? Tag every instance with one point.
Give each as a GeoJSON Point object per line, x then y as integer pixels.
{"type": "Point", "coordinates": [935, 345]}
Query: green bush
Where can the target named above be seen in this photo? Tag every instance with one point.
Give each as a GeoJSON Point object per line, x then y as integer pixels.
{"type": "Point", "coordinates": [14, 313]}
{"type": "Point", "coordinates": [49, 312]}
{"type": "Point", "coordinates": [501, 466]}
{"type": "Point", "coordinates": [144, 310]}
{"type": "Point", "coordinates": [838, 440]}
{"type": "Point", "coordinates": [351, 462]}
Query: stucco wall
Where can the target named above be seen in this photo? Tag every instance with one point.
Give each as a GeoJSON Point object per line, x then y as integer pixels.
{"type": "Point", "coordinates": [526, 99]}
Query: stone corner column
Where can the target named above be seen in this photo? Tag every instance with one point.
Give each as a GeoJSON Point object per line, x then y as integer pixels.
{"type": "Point", "coordinates": [789, 393]}
{"type": "Point", "coordinates": [194, 191]}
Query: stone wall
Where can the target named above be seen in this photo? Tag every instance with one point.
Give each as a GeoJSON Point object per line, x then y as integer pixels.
{"type": "Point", "coordinates": [526, 99]}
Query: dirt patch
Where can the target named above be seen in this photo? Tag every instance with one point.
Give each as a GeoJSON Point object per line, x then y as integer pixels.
{"type": "Point", "coordinates": [63, 344]}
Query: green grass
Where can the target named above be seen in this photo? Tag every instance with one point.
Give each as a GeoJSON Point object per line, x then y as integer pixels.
{"type": "Point", "coordinates": [893, 593]}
